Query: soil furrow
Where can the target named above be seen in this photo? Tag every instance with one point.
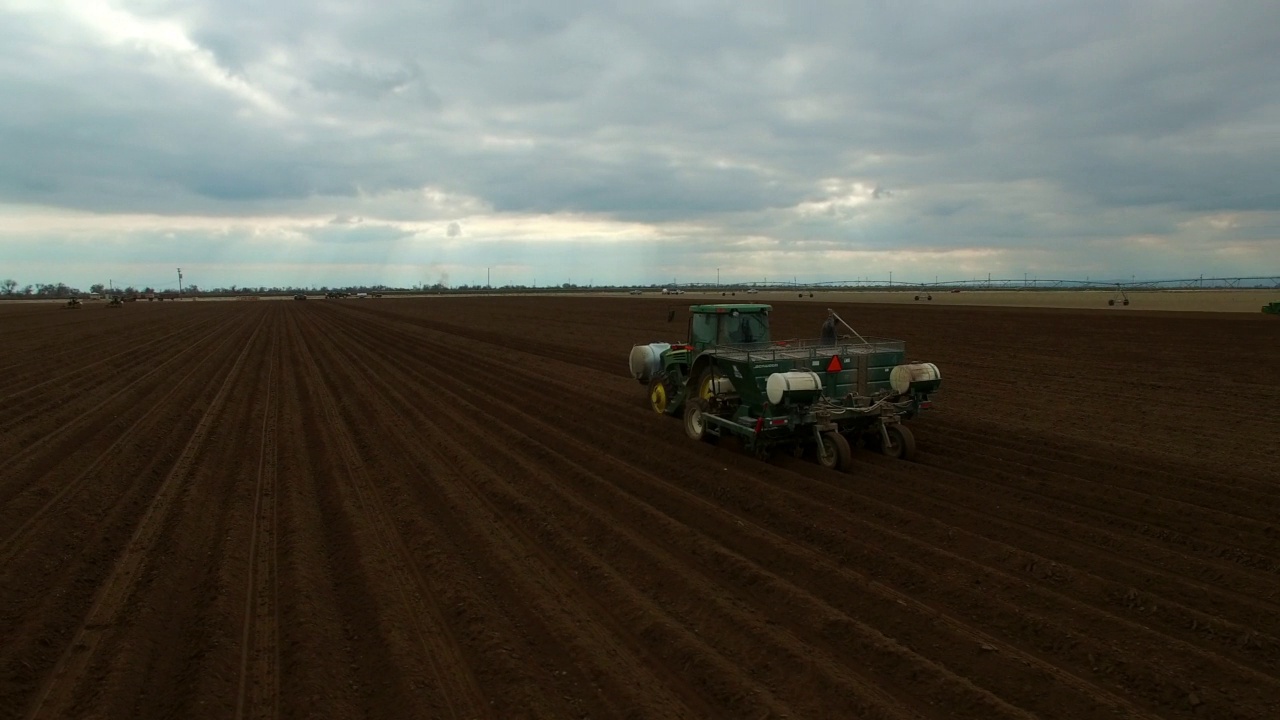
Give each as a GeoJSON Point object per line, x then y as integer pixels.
{"type": "Point", "coordinates": [55, 436]}
{"type": "Point", "coordinates": [36, 516]}
{"type": "Point", "coordinates": [461, 507]}
{"type": "Point", "coordinates": [68, 676]}
{"type": "Point", "coordinates": [259, 692]}
{"type": "Point", "coordinates": [457, 693]}
{"type": "Point", "coordinates": [615, 630]}
{"type": "Point", "coordinates": [47, 587]}
{"type": "Point", "coordinates": [848, 641]}
{"type": "Point", "coordinates": [453, 371]}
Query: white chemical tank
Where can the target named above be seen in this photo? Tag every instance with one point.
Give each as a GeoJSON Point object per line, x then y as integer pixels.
{"type": "Point", "coordinates": [722, 386]}
{"type": "Point", "coordinates": [646, 360]}
{"type": "Point", "coordinates": [920, 377]}
{"type": "Point", "coordinates": [793, 386]}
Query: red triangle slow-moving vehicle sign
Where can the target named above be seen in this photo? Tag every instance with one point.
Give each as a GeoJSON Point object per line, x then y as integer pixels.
{"type": "Point", "coordinates": [834, 365]}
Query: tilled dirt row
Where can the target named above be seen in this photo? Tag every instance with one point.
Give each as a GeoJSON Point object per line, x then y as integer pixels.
{"type": "Point", "coordinates": [51, 417]}
{"type": "Point", "coordinates": [82, 538]}
{"type": "Point", "coordinates": [43, 336]}
{"type": "Point", "coordinates": [1188, 602]}
{"type": "Point", "coordinates": [461, 508]}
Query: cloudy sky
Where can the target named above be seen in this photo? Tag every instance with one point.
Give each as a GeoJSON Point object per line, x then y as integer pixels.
{"type": "Point", "coordinates": [402, 142]}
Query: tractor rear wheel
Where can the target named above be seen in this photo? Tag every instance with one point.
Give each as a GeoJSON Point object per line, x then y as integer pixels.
{"type": "Point", "coordinates": [707, 384]}
{"type": "Point", "coordinates": [695, 420]}
{"type": "Point", "coordinates": [835, 453]}
{"type": "Point", "coordinates": [659, 395]}
{"type": "Point", "coordinates": [902, 444]}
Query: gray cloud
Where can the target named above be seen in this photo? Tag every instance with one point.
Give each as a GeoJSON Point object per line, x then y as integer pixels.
{"type": "Point", "coordinates": [988, 124]}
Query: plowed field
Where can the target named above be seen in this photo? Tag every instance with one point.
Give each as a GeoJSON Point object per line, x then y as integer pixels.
{"type": "Point", "coordinates": [461, 508]}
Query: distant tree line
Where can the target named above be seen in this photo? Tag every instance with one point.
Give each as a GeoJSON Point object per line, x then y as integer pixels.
{"type": "Point", "coordinates": [9, 288]}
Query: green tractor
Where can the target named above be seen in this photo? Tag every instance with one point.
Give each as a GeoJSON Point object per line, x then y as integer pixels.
{"type": "Point", "coordinates": [1272, 309]}
{"type": "Point", "coordinates": [732, 379]}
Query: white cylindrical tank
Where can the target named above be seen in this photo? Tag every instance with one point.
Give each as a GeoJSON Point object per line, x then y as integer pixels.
{"type": "Point", "coordinates": [722, 386]}
{"type": "Point", "coordinates": [793, 386]}
{"type": "Point", "coordinates": [646, 360]}
{"type": "Point", "coordinates": [924, 377]}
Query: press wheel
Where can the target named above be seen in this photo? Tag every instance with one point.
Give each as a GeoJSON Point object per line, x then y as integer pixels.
{"type": "Point", "coordinates": [835, 453]}
{"type": "Point", "coordinates": [902, 444]}
{"type": "Point", "coordinates": [695, 419]}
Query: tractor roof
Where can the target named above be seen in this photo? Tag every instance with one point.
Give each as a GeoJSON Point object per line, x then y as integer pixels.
{"type": "Point", "coordinates": [740, 307]}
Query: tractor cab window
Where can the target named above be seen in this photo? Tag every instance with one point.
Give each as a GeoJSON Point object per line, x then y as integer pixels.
{"type": "Point", "coordinates": [743, 328]}
{"type": "Point", "coordinates": [703, 328]}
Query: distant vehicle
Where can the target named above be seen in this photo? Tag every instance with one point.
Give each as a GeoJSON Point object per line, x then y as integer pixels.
{"type": "Point", "coordinates": [752, 291]}
{"type": "Point", "coordinates": [362, 296]}
{"type": "Point", "coordinates": [299, 296]}
{"type": "Point", "coordinates": [636, 292]}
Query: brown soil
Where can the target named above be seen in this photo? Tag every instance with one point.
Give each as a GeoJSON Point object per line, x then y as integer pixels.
{"type": "Point", "coordinates": [460, 508]}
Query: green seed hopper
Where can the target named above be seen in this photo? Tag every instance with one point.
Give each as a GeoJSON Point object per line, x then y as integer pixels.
{"type": "Point", "coordinates": [1272, 308]}
{"type": "Point", "coordinates": [826, 394]}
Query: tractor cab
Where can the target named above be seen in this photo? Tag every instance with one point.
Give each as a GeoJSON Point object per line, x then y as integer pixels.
{"type": "Point", "coordinates": [713, 325]}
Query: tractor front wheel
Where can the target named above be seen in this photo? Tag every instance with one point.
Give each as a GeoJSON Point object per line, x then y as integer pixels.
{"type": "Point", "coordinates": [659, 395]}
{"type": "Point", "coordinates": [835, 453]}
{"type": "Point", "coordinates": [902, 444]}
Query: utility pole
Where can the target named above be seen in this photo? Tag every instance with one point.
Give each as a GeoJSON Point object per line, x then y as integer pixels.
{"type": "Point", "coordinates": [179, 283]}
{"type": "Point", "coordinates": [717, 278]}
{"type": "Point", "coordinates": [487, 284]}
